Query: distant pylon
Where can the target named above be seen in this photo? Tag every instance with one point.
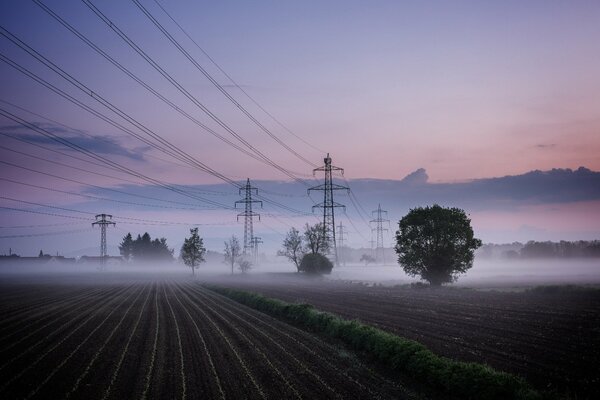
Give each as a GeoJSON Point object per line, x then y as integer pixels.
{"type": "Point", "coordinates": [255, 242]}
{"type": "Point", "coordinates": [103, 220]}
{"type": "Point", "coordinates": [248, 214]}
{"type": "Point", "coordinates": [379, 220]}
{"type": "Point", "coordinates": [342, 236]}
{"type": "Point", "coordinates": [328, 205]}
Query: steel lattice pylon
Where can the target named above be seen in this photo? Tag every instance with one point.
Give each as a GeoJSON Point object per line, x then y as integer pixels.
{"type": "Point", "coordinates": [328, 205]}
{"type": "Point", "coordinates": [248, 214]}
{"type": "Point", "coordinates": [103, 220]}
{"type": "Point", "coordinates": [255, 242]}
{"type": "Point", "coordinates": [379, 229]}
{"type": "Point", "coordinates": [342, 235]}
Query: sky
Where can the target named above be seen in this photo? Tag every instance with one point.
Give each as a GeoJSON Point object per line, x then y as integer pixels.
{"type": "Point", "coordinates": [459, 93]}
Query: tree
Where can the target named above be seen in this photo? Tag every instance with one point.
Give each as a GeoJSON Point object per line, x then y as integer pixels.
{"type": "Point", "coordinates": [126, 246]}
{"type": "Point", "coordinates": [143, 248]}
{"type": "Point", "coordinates": [293, 247]}
{"type": "Point", "coordinates": [192, 251]}
{"type": "Point", "coordinates": [233, 251]}
{"type": "Point", "coordinates": [315, 264]}
{"type": "Point", "coordinates": [314, 236]}
{"type": "Point", "coordinates": [436, 243]}
{"type": "Point", "coordinates": [368, 259]}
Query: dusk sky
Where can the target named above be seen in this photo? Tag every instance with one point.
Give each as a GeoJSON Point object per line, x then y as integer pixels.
{"type": "Point", "coordinates": [461, 92]}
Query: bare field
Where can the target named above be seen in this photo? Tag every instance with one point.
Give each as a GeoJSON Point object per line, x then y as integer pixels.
{"type": "Point", "coordinates": [164, 339]}
{"type": "Point", "coordinates": [550, 338]}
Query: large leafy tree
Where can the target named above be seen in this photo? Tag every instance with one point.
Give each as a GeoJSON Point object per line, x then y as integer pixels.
{"type": "Point", "coordinates": [192, 252]}
{"type": "Point", "coordinates": [293, 247]}
{"type": "Point", "coordinates": [436, 243]}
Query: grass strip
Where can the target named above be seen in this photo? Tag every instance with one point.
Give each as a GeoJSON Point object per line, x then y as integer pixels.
{"type": "Point", "coordinates": [408, 357]}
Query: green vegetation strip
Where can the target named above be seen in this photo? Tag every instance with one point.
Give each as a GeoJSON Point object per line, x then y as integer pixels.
{"type": "Point", "coordinates": [458, 379]}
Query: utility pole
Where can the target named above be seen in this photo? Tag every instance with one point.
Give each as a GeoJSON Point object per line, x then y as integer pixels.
{"type": "Point", "coordinates": [103, 220]}
{"type": "Point", "coordinates": [379, 220]}
{"type": "Point", "coordinates": [328, 205]}
{"type": "Point", "coordinates": [248, 214]}
{"type": "Point", "coordinates": [342, 252]}
{"type": "Point", "coordinates": [255, 242]}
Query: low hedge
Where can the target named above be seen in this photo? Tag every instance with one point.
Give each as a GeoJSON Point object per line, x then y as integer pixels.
{"type": "Point", "coordinates": [408, 357]}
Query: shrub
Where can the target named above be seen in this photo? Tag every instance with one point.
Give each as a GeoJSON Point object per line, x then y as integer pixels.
{"type": "Point", "coordinates": [315, 264]}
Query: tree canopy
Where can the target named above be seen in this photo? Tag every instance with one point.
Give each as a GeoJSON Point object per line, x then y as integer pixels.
{"type": "Point", "coordinates": [436, 243]}
{"type": "Point", "coordinates": [192, 252]}
{"type": "Point", "coordinates": [143, 248]}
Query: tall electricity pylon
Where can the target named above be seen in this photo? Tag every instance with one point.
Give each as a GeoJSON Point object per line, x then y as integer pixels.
{"type": "Point", "coordinates": [103, 220]}
{"type": "Point", "coordinates": [372, 243]}
{"type": "Point", "coordinates": [328, 205]}
{"type": "Point", "coordinates": [342, 234]}
{"type": "Point", "coordinates": [379, 220]}
{"type": "Point", "coordinates": [255, 242]}
{"type": "Point", "coordinates": [248, 214]}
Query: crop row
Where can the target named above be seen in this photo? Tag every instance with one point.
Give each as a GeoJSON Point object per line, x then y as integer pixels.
{"type": "Point", "coordinates": [168, 340]}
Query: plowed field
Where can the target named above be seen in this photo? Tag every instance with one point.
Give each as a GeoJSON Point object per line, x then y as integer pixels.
{"type": "Point", "coordinates": [551, 339]}
{"type": "Point", "coordinates": [157, 340]}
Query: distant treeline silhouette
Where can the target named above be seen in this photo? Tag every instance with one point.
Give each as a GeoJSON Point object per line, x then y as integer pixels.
{"type": "Point", "coordinates": [547, 249]}
{"type": "Point", "coordinates": [143, 248]}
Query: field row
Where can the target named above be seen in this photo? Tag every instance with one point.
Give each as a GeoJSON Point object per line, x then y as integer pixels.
{"type": "Point", "coordinates": [551, 340]}
{"type": "Point", "coordinates": [165, 340]}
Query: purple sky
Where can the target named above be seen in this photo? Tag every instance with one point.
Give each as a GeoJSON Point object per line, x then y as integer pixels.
{"type": "Point", "coordinates": [466, 90]}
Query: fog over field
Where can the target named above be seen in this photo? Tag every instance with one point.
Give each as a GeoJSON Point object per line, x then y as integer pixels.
{"type": "Point", "coordinates": [485, 273]}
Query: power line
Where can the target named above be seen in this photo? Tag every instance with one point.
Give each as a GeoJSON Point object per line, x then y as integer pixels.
{"type": "Point", "coordinates": [179, 87]}
{"type": "Point", "coordinates": [120, 127]}
{"type": "Point", "coordinates": [239, 87]}
{"type": "Point", "coordinates": [95, 197]}
{"type": "Point", "coordinates": [45, 234]}
{"type": "Point", "coordinates": [171, 150]}
{"type": "Point", "coordinates": [144, 84]}
{"type": "Point", "coordinates": [217, 85]}
{"type": "Point", "coordinates": [103, 159]}
{"type": "Point", "coordinates": [40, 225]}
{"type": "Point", "coordinates": [119, 218]}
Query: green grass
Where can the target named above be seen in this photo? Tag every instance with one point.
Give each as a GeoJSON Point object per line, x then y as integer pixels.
{"type": "Point", "coordinates": [410, 358]}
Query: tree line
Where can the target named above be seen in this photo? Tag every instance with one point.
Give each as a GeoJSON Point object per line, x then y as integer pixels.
{"type": "Point", "coordinates": [543, 249]}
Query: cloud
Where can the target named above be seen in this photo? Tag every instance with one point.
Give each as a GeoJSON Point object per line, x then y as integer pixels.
{"type": "Point", "coordinates": [418, 177]}
{"type": "Point", "coordinates": [101, 144]}
{"type": "Point", "coordinates": [544, 146]}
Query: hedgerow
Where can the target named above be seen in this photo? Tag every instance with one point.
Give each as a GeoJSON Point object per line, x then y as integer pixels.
{"type": "Point", "coordinates": [408, 357]}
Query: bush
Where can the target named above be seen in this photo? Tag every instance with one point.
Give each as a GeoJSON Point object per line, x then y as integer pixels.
{"type": "Point", "coordinates": [315, 264]}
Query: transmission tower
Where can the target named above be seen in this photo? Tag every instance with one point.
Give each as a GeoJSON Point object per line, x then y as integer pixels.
{"type": "Point", "coordinates": [342, 235]}
{"type": "Point", "coordinates": [328, 205]}
{"type": "Point", "coordinates": [379, 220]}
{"type": "Point", "coordinates": [372, 243]}
{"type": "Point", "coordinates": [248, 214]}
{"type": "Point", "coordinates": [255, 242]}
{"type": "Point", "coordinates": [103, 220]}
